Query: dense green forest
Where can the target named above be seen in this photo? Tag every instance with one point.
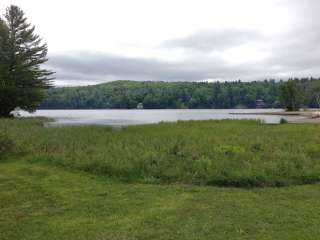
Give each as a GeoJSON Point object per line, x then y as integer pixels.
{"type": "Point", "coordinates": [174, 95]}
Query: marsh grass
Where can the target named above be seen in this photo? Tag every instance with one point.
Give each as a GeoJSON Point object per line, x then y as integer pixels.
{"type": "Point", "coordinates": [6, 145]}
{"type": "Point", "coordinates": [220, 153]}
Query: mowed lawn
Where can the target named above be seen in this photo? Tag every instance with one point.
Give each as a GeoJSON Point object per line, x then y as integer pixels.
{"type": "Point", "coordinates": [45, 202]}
{"type": "Point", "coordinates": [186, 180]}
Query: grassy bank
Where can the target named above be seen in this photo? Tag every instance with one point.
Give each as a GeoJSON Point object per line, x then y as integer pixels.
{"type": "Point", "coordinates": [46, 202]}
{"type": "Point", "coordinates": [218, 153]}
{"type": "Point", "coordinates": [90, 182]}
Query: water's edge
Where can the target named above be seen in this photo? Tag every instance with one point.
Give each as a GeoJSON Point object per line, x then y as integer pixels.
{"type": "Point", "coordinates": [117, 118]}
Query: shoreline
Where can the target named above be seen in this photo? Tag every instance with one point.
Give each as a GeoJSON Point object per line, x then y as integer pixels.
{"type": "Point", "coordinates": [295, 113]}
{"type": "Point", "coordinates": [305, 116]}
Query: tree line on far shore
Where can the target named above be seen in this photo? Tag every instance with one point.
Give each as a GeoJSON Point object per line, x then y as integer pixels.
{"type": "Point", "coordinates": [291, 94]}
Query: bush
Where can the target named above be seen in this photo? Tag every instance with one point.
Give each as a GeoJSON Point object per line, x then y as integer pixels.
{"type": "Point", "coordinates": [6, 145]}
{"type": "Point", "coordinates": [283, 121]}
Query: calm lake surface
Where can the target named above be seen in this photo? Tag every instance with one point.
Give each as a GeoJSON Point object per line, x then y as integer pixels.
{"type": "Point", "coordinates": [118, 118]}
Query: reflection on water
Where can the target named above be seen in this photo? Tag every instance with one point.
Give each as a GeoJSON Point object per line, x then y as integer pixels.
{"type": "Point", "coordinates": [134, 117]}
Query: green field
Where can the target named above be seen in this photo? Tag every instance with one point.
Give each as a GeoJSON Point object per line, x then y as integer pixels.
{"type": "Point", "coordinates": [189, 180]}
{"type": "Point", "coordinates": [216, 153]}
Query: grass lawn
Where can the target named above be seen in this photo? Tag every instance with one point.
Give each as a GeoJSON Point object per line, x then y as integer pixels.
{"type": "Point", "coordinates": [45, 202]}
{"type": "Point", "coordinates": [190, 180]}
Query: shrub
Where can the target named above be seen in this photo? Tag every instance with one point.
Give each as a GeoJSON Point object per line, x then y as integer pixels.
{"type": "Point", "coordinates": [283, 121]}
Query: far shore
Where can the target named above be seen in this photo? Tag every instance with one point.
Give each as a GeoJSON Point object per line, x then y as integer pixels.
{"type": "Point", "coordinates": [284, 113]}
{"type": "Point", "coordinates": [305, 116]}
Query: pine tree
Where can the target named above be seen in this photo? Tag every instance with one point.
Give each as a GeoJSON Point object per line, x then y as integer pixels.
{"type": "Point", "coordinates": [23, 81]}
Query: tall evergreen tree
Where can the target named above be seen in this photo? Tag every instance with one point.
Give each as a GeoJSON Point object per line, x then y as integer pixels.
{"type": "Point", "coordinates": [22, 79]}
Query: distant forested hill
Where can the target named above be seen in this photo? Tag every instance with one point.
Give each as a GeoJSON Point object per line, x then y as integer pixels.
{"type": "Point", "coordinates": [174, 95]}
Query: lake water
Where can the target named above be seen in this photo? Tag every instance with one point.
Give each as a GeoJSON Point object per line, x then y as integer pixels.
{"type": "Point", "coordinates": [118, 118]}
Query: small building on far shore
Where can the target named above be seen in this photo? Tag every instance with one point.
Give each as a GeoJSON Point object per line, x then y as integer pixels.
{"type": "Point", "coordinates": [260, 103]}
{"type": "Point", "coordinates": [140, 106]}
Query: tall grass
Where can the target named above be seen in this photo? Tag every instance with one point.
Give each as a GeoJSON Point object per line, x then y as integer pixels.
{"type": "Point", "coordinates": [6, 145]}
{"type": "Point", "coordinates": [224, 153]}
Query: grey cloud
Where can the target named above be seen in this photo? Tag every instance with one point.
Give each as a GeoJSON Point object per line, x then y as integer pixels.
{"type": "Point", "coordinates": [97, 66]}
{"type": "Point", "coordinates": [215, 40]}
{"type": "Point", "coordinates": [298, 49]}
{"type": "Point", "coordinates": [92, 68]}
{"type": "Point", "coordinates": [295, 52]}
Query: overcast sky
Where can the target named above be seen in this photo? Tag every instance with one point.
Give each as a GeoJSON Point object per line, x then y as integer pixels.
{"type": "Point", "coordinates": [177, 40]}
